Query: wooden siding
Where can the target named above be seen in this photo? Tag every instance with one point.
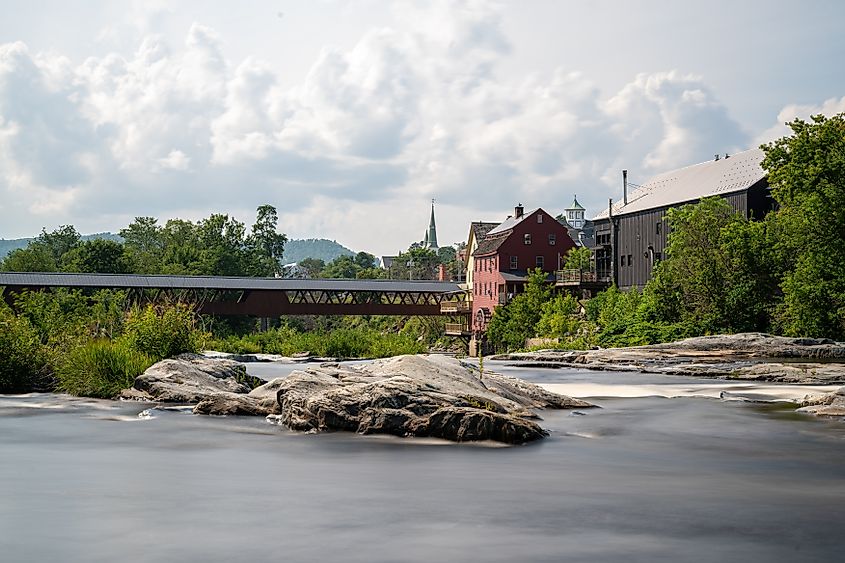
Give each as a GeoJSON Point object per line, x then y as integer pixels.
{"type": "Point", "coordinates": [640, 243]}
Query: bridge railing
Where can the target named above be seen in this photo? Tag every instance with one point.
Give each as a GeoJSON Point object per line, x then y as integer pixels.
{"type": "Point", "coordinates": [577, 277]}
{"type": "Point", "coordinates": [457, 329]}
{"type": "Point", "coordinates": [455, 307]}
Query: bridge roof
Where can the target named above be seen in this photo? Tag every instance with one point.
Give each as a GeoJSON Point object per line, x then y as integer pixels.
{"type": "Point", "coordinates": [126, 281]}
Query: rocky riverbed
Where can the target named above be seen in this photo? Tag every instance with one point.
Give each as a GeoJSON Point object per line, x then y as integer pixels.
{"type": "Point", "coordinates": [425, 396]}
{"type": "Point", "coordinates": [743, 357]}
{"type": "Point", "coordinates": [746, 356]}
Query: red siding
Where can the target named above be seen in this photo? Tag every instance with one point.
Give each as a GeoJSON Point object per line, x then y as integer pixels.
{"type": "Point", "coordinates": [488, 280]}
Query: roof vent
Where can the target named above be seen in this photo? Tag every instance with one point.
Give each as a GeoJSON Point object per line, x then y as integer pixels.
{"type": "Point", "coordinates": [727, 155]}
{"type": "Point", "coordinates": [717, 156]}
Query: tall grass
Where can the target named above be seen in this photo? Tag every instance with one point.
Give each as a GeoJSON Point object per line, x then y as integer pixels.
{"type": "Point", "coordinates": [22, 357]}
{"type": "Point", "coordinates": [338, 343]}
{"type": "Point", "coordinates": [101, 368]}
{"type": "Point", "coordinates": [163, 332]}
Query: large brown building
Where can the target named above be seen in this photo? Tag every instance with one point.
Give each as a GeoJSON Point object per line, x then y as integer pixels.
{"type": "Point", "coordinates": [631, 234]}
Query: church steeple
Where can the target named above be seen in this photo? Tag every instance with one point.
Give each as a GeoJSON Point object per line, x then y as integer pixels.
{"type": "Point", "coordinates": [431, 233]}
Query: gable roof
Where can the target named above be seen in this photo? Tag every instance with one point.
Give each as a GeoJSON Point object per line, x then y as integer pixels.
{"type": "Point", "coordinates": [489, 244]}
{"type": "Point", "coordinates": [714, 177]}
{"type": "Point", "coordinates": [511, 222]}
{"type": "Point", "coordinates": [480, 229]}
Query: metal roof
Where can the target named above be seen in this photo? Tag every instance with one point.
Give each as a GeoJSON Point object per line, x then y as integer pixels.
{"type": "Point", "coordinates": [715, 177]}
{"type": "Point", "coordinates": [119, 281]}
{"type": "Point", "coordinates": [511, 222]}
{"type": "Point", "coordinates": [575, 205]}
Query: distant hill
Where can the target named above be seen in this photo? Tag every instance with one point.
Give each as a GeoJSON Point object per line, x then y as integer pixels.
{"type": "Point", "coordinates": [8, 245]}
{"type": "Point", "coordinates": [318, 248]}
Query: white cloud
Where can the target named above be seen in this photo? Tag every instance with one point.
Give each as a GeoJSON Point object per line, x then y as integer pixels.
{"type": "Point", "coordinates": [358, 146]}
{"type": "Point", "coordinates": [791, 112]}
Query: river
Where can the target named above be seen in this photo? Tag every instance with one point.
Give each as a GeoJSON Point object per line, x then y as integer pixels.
{"type": "Point", "coordinates": [644, 478]}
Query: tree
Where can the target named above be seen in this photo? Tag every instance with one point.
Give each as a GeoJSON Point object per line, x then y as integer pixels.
{"type": "Point", "coordinates": [312, 266]}
{"type": "Point", "coordinates": [807, 177]}
{"type": "Point", "coordinates": [144, 243]}
{"type": "Point", "coordinates": [578, 258]}
{"type": "Point", "coordinates": [34, 258]}
{"type": "Point", "coordinates": [718, 275]}
{"type": "Point", "coordinates": [365, 260]}
{"type": "Point", "coordinates": [514, 323]}
{"type": "Point", "coordinates": [266, 243]}
{"type": "Point", "coordinates": [97, 256]}
{"type": "Point", "coordinates": [342, 267]}
{"type": "Point", "coordinates": [58, 242]}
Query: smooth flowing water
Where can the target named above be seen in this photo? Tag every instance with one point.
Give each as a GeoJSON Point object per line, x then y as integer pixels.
{"type": "Point", "coordinates": [644, 478]}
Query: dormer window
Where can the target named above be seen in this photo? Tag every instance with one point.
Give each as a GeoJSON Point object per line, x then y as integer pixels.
{"type": "Point", "coordinates": [527, 238]}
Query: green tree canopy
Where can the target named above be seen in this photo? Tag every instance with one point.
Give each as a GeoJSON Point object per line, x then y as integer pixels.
{"type": "Point", "coordinates": [807, 177]}
{"type": "Point", "coordinates": [97, 256]}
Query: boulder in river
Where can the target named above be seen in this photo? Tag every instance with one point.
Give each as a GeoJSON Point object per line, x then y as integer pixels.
{"type": "Point", "coordinates": [434, 396]}
{"type": "Point", "coordinates": [825, 404]}
{"type": "Point", "coordinates": [190, 378]}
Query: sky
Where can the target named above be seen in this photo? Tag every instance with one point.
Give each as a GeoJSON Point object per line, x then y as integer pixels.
{"type": "Point", "coordinates": [351, 116]}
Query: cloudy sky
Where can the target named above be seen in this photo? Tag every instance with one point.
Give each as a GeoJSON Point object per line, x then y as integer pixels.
{"type": "Point", "coordinates": [350, 116]}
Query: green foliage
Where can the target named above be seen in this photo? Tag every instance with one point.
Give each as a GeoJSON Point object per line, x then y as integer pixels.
{"type": "Point", "coordinates": [578, 258]}
{"type": "Point", "coordinates": [62, 316]}
{"type": "Point", "coordinates": [807, 178]}
{"type": "Point", "coordinates": [312, 266]}
{"type": "Point", "coordinates": [163, 332]}
{"type": "Point", "coordinates": [22, 360]}
{"type": "Point", "coordinates": [514, 323]}
{"type": "Point", "coordinates": [58, 242]}
{"type": "Point", "coordinates": [100, 368]}
{"type": "Point", "coordinates": [359, 342]}
{"type": "Point", "coordinates": [265, 244]}
{"type": "Point", "coordinates": [97, 256]}
{"type": "Point", "coordinates": [29, 259]}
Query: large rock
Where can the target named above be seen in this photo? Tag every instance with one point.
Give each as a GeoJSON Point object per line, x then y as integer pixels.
{"type": "Point", "coordinates": [190, 378]}
{"type": "Point", "coordinates": [750, 356]}
{"type": "Point", "coordinates": [433, 396]}
{"type": "Point", "coordinates": [261, 401]}
{"type": "Point", "coordinates": [825, 404]}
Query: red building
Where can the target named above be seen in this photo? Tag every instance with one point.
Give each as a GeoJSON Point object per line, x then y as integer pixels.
{"type": "Point", "coordinates": [504, 255]}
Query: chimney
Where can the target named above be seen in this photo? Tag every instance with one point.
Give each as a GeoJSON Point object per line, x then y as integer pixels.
{"type": "Point", "coordinates": [610, 207]}
{"type": "Point", "coordinates": [441, 272]}
{"type": "Point", "coordinates": [624, 187]}
{"type": "Point", "coordinates": [517, 211]}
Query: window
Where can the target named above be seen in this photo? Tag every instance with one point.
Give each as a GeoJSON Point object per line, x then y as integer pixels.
{"type": "Point", "coordinates": [658, 227]}
{"type": "Point", "coordinates": [629, 260]}
{"type": "Point", "coordinates": [657, 257]}
{"type": "Point", "coordinates": [551, 239]}
{"type": "Point", "coordinates": [539, 261]}
{"type": "Point", "coordinates": [622, 260]}
{"type": "Point", "coordinates": [514, 263]}
{"type": "Point", "coordinates": [527, 238]}
{"type": "Point", "coordinates": [539, 217]}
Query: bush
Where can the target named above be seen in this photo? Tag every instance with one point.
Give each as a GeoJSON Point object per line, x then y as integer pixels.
{"type": "Point", "coordinates": [101, 368]}
{"type": "Point", "coordinates": [163, 333]}
{"type": "Point", "coordinates": [22, 358]}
